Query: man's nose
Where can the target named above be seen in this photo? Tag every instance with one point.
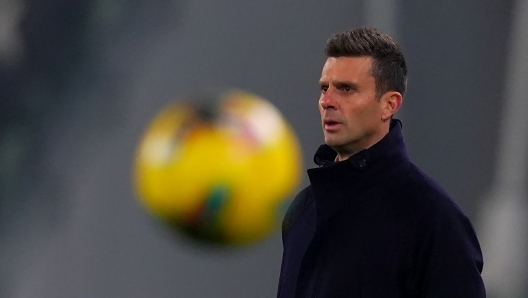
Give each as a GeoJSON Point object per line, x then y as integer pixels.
{"type": "Point", "coordinates": [327, 100]}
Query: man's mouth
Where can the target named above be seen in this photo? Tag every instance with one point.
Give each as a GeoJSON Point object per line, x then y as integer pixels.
{"type": "Point", "coordinates": [330, 124]}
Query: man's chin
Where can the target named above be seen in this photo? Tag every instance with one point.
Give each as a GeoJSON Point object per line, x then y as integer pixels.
{"type": "Point", "coordinates": [332, 138]}
{"type": "Point", "coordinates": [332, 143]}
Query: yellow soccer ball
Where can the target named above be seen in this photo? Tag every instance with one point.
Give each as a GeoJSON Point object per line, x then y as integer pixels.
{"type": "Point", "coordinates": [222, 172]}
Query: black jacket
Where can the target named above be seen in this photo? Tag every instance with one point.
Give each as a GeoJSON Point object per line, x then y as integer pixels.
{"type": "Point", "coordinates": [376, 226]}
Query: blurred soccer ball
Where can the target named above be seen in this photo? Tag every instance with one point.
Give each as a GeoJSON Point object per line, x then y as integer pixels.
{"type": "Point", "coordinates": [221, 172]}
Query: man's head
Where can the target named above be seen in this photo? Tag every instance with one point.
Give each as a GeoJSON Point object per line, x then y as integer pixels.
{"type": "Point", "coordinates": [388, 69]}
{"type": "Point", "coordinates": [362, 85]}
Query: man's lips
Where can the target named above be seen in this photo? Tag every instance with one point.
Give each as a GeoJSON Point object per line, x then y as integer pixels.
{"type": "Point", "coordinates": [331, 124]}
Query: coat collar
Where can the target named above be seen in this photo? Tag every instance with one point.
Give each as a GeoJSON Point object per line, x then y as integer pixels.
{"type": "Point", "coordinates": [391, 145]}
{"type": "Point", "coordinates": [333, 182]}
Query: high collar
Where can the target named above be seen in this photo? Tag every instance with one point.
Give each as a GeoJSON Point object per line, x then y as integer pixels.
{"type": "Point", "coordinates": [336, 184]}
{"type": "Point", "coordinates": [391, 145]}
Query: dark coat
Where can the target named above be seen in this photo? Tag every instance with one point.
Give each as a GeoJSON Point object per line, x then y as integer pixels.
{"type": "Point", "coordinates": [376, 226]}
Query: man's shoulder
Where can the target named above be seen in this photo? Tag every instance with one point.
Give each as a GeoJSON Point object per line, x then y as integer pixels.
{"type": "Point", "coordinates": [423, 194]}
{"type": "Point", "coordinates": [301, 201]}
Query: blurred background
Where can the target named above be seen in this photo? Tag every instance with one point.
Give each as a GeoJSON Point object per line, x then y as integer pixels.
{"type": "Point", "coordinates": [80, 81]}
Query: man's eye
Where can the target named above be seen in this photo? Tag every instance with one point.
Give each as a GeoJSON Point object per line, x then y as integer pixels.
{"type": "Point", "coordinates": [347, 88]}
{"type": "Point", "coordinates": [324, 88]}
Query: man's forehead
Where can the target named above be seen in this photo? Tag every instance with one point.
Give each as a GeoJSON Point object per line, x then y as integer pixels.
{"type": "Point", "coordinates": [344, 61]}
{"type": "Point", "coordinates": [347, 66]}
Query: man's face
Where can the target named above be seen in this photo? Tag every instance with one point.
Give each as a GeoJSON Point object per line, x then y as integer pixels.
{"type": "Point", "coordinates": [351, 116]}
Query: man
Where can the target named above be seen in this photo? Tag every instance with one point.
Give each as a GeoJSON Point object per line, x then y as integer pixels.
{"type": "Point", "coordinates": [371, 224]}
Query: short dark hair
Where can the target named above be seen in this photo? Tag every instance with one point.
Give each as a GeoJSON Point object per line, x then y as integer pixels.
{"type": "Point", "coordinates": [388, 68]}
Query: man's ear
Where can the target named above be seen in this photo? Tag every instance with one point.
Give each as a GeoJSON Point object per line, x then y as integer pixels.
{"type": "Point", "coordinates": [392, 102]}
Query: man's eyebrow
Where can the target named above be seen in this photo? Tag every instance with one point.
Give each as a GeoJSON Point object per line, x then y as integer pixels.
{"type": "Point", "coordinates": [339, 84]}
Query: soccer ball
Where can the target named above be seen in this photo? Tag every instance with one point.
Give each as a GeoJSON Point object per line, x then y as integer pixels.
{"type": "Point", "coordinates": [222, 171]}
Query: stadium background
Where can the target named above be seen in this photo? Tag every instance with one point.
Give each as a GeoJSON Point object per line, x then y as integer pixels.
{"type": "Point", "coordinates": [80, 80]}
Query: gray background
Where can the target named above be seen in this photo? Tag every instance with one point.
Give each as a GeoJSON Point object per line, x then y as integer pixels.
{"type": "Point", "coordinates": [92, 75]}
